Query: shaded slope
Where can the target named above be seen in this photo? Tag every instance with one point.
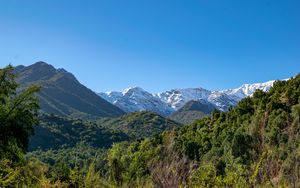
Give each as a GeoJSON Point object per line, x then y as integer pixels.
{"type": "Point", "coordinates": [192, 111]}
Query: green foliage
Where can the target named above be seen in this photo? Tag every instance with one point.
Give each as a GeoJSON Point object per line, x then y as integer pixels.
{"type": "Point", "coordinates": [128, 162]}
{"type": "Point", "coordinates": [255, 144]}
{"type": "Point", "coordinates": [53, 132]}
{"type": "Point", "coordinates": [79, 156]}
{"type": "Point", "coordinates": [139, 124]}
{"type": "Point", "coordinates": [7, 173]}
{"type": "Point", "coordinates": [33, 173]}
{"type": "Point", "coordinates": [149, 162]}
{"type": "Point", "coordinates": [18, 114]}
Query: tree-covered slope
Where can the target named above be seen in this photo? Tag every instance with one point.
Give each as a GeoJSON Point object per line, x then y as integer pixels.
{"type": "Point", "coordinates": [62, 94]}
{"type": "Point", "coordinates": [53, 132]}
{"type": "Point", "coordinates": [139, 124]}
{"type": "Point", "coordinates": [255, 144]}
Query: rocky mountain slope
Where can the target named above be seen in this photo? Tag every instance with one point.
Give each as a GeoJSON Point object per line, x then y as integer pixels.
{"type": "Point", "coordinates": [248, 89]}
{"type": "Point", "coordinates": [136, 99]}
{"type": "Point", "coordinates": [192, 111]}
{"type": "Point", "coordinates": [62, 94]}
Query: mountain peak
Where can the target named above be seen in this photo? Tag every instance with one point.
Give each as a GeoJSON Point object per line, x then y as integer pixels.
{"type": "Point", "coordinates": [248, 89]}
{"type": "Point", "coordinates": [62, 93]}
{"type": "Point", "coordinates": [61, 70]}
{"type": "Point", "coordinates": [136, 99]}
{"type": "Point", "coordinates": [133, 89]}
{"type": "Point", "coordinates": [42, 64]}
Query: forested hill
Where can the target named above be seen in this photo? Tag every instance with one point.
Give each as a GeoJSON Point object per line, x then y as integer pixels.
{"type": "Point", "coordinates": [139, 124]}
{"type": "Point", "coordinates": [54, 132]}
{"type": "Point", "coordinates": [62, 94]}
{"type": "Point", "coordinates": [255, 144]}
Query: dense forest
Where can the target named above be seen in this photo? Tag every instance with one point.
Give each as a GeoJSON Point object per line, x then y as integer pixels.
{"type": "Point", "coordinates": [139, 124]}
{"type": "Point", "coordinates": [254, 144]}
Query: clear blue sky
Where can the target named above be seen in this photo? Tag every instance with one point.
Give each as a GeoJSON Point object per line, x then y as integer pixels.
{"type": "Point", "coordinates": [155, 44]}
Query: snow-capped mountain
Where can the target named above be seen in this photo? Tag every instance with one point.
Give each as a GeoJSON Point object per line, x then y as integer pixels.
{"type": "Point", "coordinates": [248, 89]}
{"type": "Point", "coordinates": [111, 96]}
{"type": "Point", "coordinates": [177, 98]}
{"type": "Point", "coordinates": [137, 99]}
{"type": "Point", "coordinates": [221, 100]}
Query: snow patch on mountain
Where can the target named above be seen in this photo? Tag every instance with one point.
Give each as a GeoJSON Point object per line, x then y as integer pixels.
{"type": "Point", "coordinates": [177, 98]}
{"type": "Point", "coordinates": [248, 89]}
{"type": "Point", "coordinates": [137, 99]}
{"type": "Point", "coordinates": [111, 96]}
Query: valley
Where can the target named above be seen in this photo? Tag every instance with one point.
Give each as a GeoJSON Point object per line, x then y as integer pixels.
{"type": "Point", "coordinates": [149, 94]}
{"type": "Point", "coordinates": [133, 138]}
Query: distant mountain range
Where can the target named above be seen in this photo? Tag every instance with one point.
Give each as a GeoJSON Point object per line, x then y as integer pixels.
{"type": "Point", "coordinates": [62, 94]}
{"type": "Point", "coordinates": [136, 99]}
{"type": "Point", "coordinates": [165, 103]}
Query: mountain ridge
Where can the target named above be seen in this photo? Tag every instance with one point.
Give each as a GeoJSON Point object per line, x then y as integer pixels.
{"type": "Point", "coordinates": [174, 99]}
{"type": "Point", "coordinates": [191, 111]}
{"type": "Point", "coordinates": [137, 99]}
{"type": "Point", "coordinates": [62, 94]}
{"type": "Point", "coordinates": [132, 99]}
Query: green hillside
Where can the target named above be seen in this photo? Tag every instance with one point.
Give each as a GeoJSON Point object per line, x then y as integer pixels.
{"type": "Point", "coordinates": [139, 124]}
{"type": "Point", "coordinates": [54, 132]}
{"type": "Point", "coordinates": [255, 144]}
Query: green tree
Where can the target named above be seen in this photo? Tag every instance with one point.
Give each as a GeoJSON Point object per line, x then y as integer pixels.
{"type": "Point", "coordinates": [18, 114]}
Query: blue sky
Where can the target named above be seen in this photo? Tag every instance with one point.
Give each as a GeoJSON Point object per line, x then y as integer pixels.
{"type": "Point", "coordinates": [155, 44]}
